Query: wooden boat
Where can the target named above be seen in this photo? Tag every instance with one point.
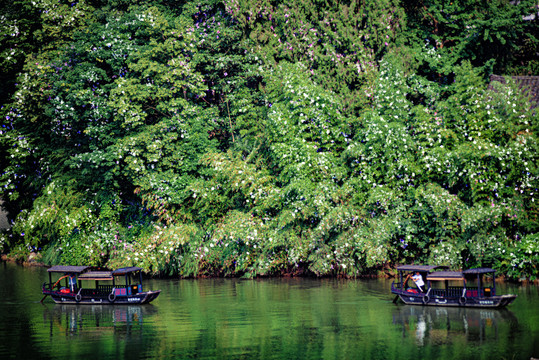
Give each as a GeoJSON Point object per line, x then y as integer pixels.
{"type": "Point", "coordinates": [74, 286]}
{"type": "Point", "coordinates": [470, 288]}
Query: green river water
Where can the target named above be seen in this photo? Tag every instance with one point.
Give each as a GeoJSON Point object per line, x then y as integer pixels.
{"type": "Point", "coordinates": [260, 319]}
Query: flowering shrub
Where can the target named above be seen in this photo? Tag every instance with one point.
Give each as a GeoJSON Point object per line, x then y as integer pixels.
{"type": "Point", "coordinates": [251, 138]}
{"type": "Point", "coordinates": [446, 253]}
{"type": "Point", "coordinates": [305, 127]}
{"type": "Point", "coordinates": [521, 259]}
{"type": "Point", "coordinates": [56, 214]}
{"type": "Point", "coordinates": [90, 247]}
{"type": "Point", "coordinates": [155, 250]}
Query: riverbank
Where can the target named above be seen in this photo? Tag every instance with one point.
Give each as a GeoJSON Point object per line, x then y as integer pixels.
{"type": "Point", "coordinates": [32, 260]}
{"type": "Point", "coordinates": [388, 272]}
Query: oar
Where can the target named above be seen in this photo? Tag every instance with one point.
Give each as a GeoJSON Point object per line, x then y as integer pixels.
{"type": "Point", "coordinates": [395, 299]}
{"type": "Point", "coordinates": [44, 298]}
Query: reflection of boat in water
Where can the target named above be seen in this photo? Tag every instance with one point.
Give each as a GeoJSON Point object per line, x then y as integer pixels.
{"type": "Point", "coordinates": [75, 319]}
{"type": "Point", "coordinates": [447, 324]}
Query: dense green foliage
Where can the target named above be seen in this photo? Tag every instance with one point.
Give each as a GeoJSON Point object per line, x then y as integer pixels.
{"type": "Point", "coordinates": [255, 138]}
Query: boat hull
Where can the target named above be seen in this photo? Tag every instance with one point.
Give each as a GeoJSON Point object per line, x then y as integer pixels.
{"type": "Point", "coordinates": [477, 302]}
{"type": "Point", "coordinates": [71, 298]}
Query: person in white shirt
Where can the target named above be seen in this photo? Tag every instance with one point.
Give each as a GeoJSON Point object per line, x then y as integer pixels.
{"type": "Point", "coordinates": [418, 279]}
{"type": "Point", "coordinates": [72, 283]}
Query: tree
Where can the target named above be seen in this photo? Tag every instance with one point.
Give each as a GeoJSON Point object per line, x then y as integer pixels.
{"type": "Point", "coordinates": [490, 34]}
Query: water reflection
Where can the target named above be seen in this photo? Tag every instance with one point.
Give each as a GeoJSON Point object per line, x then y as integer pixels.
{"type": "Point", "coordinates": [94, 319]}
{"type": "Point", "coordinates": [261, 319]}
{"type": "Point", "coordinates": [444, 325]}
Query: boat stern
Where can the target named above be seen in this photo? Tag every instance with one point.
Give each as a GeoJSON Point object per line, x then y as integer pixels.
{"type": "Point", "coordinates": [150, 296]}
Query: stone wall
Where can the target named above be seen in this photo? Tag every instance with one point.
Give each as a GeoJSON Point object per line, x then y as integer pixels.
{"type": "Point", "coordinates": [3, 218]}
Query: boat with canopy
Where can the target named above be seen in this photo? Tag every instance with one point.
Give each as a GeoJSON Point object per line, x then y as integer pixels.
{"type": "Point", "coordinates": [89, 285]}
{"type": "Point", "coordinates": [441, 287]}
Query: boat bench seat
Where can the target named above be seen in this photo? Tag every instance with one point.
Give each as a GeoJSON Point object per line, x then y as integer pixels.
{"type": "Point", "coordinates": [88, 292]}
{"type": "Point", "coordinates": [100, 290]}
{"type": "Point", "coordinates": [452, 291]}
{"type": "Point", "coordinates": [105, 289]}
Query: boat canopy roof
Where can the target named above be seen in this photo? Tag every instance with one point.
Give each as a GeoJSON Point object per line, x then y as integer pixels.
{"type": "Point", "coordinates": [68, 269]}
{"type": "Point", "coordinates": [421, 268]}
{"type": "Point", "coordinates": [478, 271]}
{"type": "Point", "coordinates": [87, 272]}
{"type": "Point", "coordinates": [96, 275]}
{"type": "Point", "coordinates": [125, 270]}
{"type": "Point", "coordinates": [446, 275]}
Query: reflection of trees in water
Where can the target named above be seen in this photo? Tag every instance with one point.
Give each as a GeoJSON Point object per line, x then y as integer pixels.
{"type": "Point", "coordinates": [441, 325]}
{"type": "Point", "coordinates": [96, 319]}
